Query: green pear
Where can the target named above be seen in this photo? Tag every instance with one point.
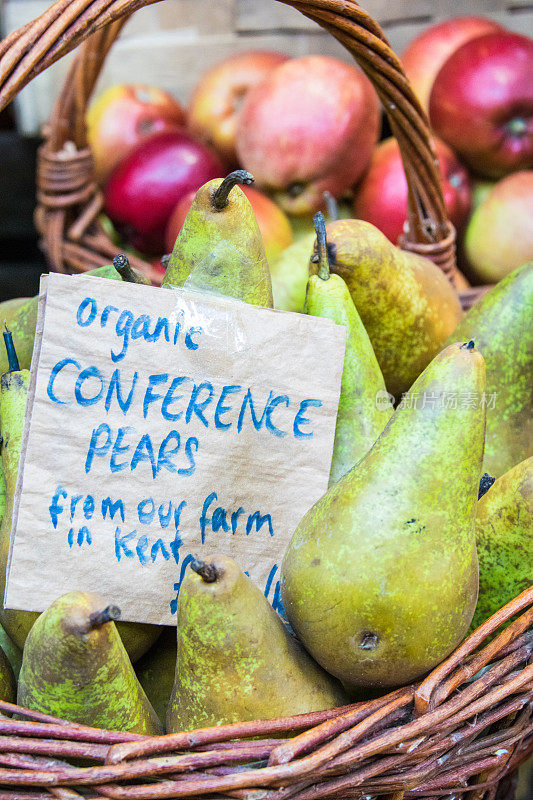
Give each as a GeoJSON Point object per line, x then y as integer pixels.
{"type": "Point", "coordinates": [219, 248]}
{"type": "Point", "coordinates": [504, 535]}
{"type": "Point", "coordinates": [501, 324]}
{"type": "Point", "coordinates": [156, 669]}
{"type": "Point", "coordinates": [138, 637]}
{"type": "Point", "coordinates": [380, 578]}
{"type": "Point", "coordinates": [13, 653]}
{"type": "Point", "coordinates": [8, 684]}
{"type": "Point", "coordinates": [9, 309]}
{"type": "Point", "coordinates": [74, 666]}
{"type": "Point", "coordinates": [290, 273]}
{"type": "Point", "coordinates": [2, 492]}
{"type": "Point", "coordinates": [405, 302]}
{"type": "Point", "coordinates": [13, 394]}
{"type": "Point", "coordinates": [364, 404]}
{"type": "Point", "coordinates": [235, 659]}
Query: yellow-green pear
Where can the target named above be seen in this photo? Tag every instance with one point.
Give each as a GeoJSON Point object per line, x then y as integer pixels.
{"type": "Point", "coordinates": [501, 324]}
{"type": "Point", "coordinates": [364, 404]}
{"type": "Point", "coordinates": [290, 273]}
{"type": "Point", "coordinates": [13, 653]}
{"type": "Point", "coordinates": [405, 302]}
{"type": "Point", "coordinates": [380, 579]}
{"type": "Point", "coordinates": [156, 669]}
{"type": "Point", "coordinates": [504, 535]}
{"type": "Point", "coordinates": [74, 666]}
{"type": "Point", "coordinates": [8, 684]}
{"type": "Point", "coordinates": [219, 248]}
{"type": "Point", "coordinates": [13, 396]}
{"type": "Point", "coordinates": [235, 659]}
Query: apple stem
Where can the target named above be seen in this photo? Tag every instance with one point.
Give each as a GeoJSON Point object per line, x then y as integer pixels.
{"type": "Point", "coordinates": [12, 357]}
{"type": "Point", "coordinates": [99, 618]}
{"type": "Point", "coordinates": [331, 206]}
{"type": "Point", "coordinates": [517, 126]}
{"type": "Point", "coordinates": [468, 345]}
{"type": "Point", "coordinates": [122, 265]}
{"type": "Point", "coordinates": [219, 197]}
{"type": "Point", "coordinates": [322, 246]}
{"type": "Point", "coordinates": [208, 572]}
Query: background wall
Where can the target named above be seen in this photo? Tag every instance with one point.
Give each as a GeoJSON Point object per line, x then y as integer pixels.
{"type": "Point", "coordinates": [171, 43]}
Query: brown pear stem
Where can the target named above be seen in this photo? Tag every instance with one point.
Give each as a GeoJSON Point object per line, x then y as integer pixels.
{"type": "Point", "coordinates": [122, 265]}
{"type": "Point", "coordinates": [331, 206]}
{"type": "Point", "coordinates": [12, 358]}
{"type": "Point", "coordinates": [99, 618]}
{"type": "Point", "coordinates": [219, 198]}
{"type": "Point", "coordinates": [208, 572]}
{"type": "Point", "coordinates": [322, 246]}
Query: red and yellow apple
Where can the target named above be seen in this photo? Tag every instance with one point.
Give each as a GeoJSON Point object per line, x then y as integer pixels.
{"type": "Point", "coordinates": [481, 103]}
{"type": "Point", "coordinates": [273, 223]}
{"type": "Point", "coordinates": [381, 197]}
{"type": "Point", "coordinates": [146, 186]}
{"type": "Point", "coordinates": [499, 236]}
{"type": "Point", "coordinates": [217, 99]}
{"type": "Point", "coordinates": [124, 116]}
{"type": "Point", "coordinates": [425, 55]}
{"type": "Point", "coordinates": [308, 127]}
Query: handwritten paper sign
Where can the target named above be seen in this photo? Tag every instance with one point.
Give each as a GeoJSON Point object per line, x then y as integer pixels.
{"type": "Point", "coordinates": [162, 423]}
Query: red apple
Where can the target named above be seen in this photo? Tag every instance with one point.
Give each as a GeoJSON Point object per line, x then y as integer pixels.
{"type": "Point", "coordinates": [217, 99]}
{"type": "Point", "coordinates": [499, 236]}
{"type": "Point", "coordinates": [307, 128]}
{"type": "Point", "coordinates": [426, 54]}
{"type": "Point", "coordinates": [144, 189]}
{"type": "Point", "coordinates": [381, 197]}
{"type": "Point", "coordinates": [274, 226]}
{"type": "Point", "coordinates": [481, 103]}
{"type": "Point", "coordinates": [124, 116]}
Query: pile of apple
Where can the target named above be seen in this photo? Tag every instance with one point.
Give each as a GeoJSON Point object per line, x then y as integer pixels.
{"type": "Point", "coordinates": [307, 126]}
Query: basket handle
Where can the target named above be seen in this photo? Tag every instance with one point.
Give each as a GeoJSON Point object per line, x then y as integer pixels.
{"type": "Point", "coordinates": [37, 45]}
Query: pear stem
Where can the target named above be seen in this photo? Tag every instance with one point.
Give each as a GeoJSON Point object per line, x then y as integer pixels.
{"type": "Point", "coordinates": [99, 618]}
{"type": "Point", "coordinates": [331, 206]}
{"type": "Point", "coordinates": [468, 345]}
{"type": "Point", "coordinates": [219, 198]}
{"type": "Point", "coordinates": [12, 357]}
{"type": "Point", "coordinates": [322, 246]}
{"type": "Point", "coordinates": [208, 572]}
{"type": "Point", "coordinates": [122, 265]}
{"type": "Point", "coordinates": [484, 484]}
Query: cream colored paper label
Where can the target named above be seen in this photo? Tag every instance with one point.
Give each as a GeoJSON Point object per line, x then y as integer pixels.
{"type": "Point", "coordinates": [163, 423]}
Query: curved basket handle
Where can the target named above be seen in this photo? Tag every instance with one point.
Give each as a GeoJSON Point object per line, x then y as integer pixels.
{"type": "Point", "coordinates": [27, 52]}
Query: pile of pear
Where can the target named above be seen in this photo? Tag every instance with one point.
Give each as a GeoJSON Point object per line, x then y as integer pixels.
{"type": "Point", "coordinates": [386, 574]}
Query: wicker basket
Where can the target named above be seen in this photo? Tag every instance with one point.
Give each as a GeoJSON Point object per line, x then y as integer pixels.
{"type": "Point", "coordinates": [465, 729]}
